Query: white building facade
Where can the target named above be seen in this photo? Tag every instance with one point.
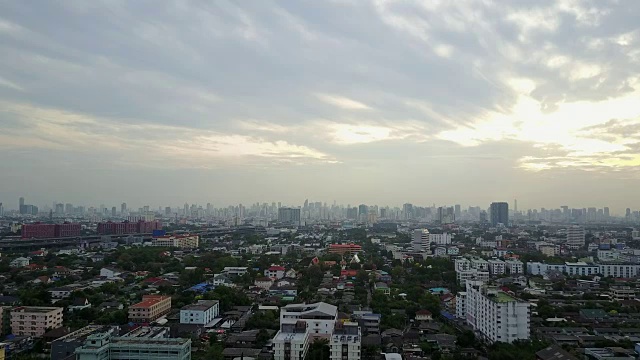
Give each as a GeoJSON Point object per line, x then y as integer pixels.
{"type": "Point", "coordinates": [201, 313]}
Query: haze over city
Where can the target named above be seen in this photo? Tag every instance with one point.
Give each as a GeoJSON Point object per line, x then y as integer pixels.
{"type": "Point", "coordinates": [360, 102]}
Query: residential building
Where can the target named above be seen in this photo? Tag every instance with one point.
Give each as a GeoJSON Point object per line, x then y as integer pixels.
{"type": "Point", "coordinates": [575, 237]}
{"type": "Point", "coordinates": [235, 270]}
{"type": "Point", "coordinates": [472, 274]}
{"type": "Point", "coordinates": [514, 266]}
{"type": "Point", "coordinates": [177, 241]}
{"type": "Point", "coordinates": [105, 346]}
{"type": "Point", "coordinates": [320, 316]}
{"type": "Point", "coordinates": [382, 287]}
{"type": "Point", "coordinates": [35, 320]}
{"type": "Point", "coordinates": [496, 267]}
{"type": "Point", "coordinates": [275, 272]}
{"type": "Point", "coordinates": [424, 315]}
{"type": "Point", "coordinates": [461, 305]}
{"type": "Point", "coordinates": [345, 341]}
{"type": "Point", "coordinates": [619, 293]}
{"type": "Point", "coordinates": [110, 273]}
{"type": "Point", "coordinates": [292, 340]}
{"type": "Point", "coordinates": [550, 250]}
{"type": "Point", "coordinates": [422, 240]}
{"type": "Point", "coordinates": [368, 321]}
{"type": "Point", "coordinates": [499, 212]}
{"type": "Point", "coordinates": [201, 313]}
{"type": "Point", "coordinates": [60, 293]}
{"type": "Point", "coordinates": [19, 262]}
{"type": "Point", "coordinates": [150, 308]}
{"type": "Point", "coordinates": [496, 315]}
{"type": "Point", "coordinates": [263, 282]}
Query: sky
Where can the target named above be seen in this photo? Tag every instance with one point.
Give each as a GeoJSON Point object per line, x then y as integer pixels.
{"type": "Point", "coordinates": [378, 102]}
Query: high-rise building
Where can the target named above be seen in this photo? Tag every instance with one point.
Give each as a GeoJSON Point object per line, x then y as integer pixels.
{"type": "Point", "coordinates": [457, 211]}
{"type": "Point", "coordinates": [363, 210]}
{"type": "Point", "coordinates": [123, 208]}
{"type": "Point", "coordinates": [575, 237]}
{"type": "Point", "coordinates": [499, 212]}
{"type": "Point", "coordinates": [21, 205]}
{"type": "Point", "coordinates": [113, 211]}
{"type": "Point", "coordinates": [496, 315]}
{"type": "Point", "coordinates": [1, 210]}
{"type": "Point", "coordinates": [606, 213]}
{"type": "Point", "coordinates": [289, 215]}
{"type": "Point", "coordinates": [446, 215]}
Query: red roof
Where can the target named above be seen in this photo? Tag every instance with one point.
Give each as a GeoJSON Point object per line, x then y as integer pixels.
{"type": "Point", "coordinates": [348, 272]}
{"type": "Point", "coordinates": [423, 312]}
{"type": "Point", "coordinates": [149, 300]}
{"type": "Point", "coordinates": [277, 268]}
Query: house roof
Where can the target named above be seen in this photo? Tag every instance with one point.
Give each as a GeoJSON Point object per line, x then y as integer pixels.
{"type": "Point", "coordinates": [423, 312]}
{"type": "Point", "coordinates": [554, 352]}
{"type": "Point", "coordinates": [277, 268]}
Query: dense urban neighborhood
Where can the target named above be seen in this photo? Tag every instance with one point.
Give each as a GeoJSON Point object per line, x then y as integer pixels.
{"type": "Point", "coordinates": [336, 290]}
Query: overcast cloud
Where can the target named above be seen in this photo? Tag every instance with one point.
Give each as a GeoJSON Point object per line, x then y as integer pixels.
{"type": "Point", "coordinates": [356, 101]}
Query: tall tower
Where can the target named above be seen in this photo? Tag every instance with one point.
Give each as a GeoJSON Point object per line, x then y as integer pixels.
{"type": "Point", "coordinates": [21, 205]}
{"type": "Point", "coordinates": [499, 212]}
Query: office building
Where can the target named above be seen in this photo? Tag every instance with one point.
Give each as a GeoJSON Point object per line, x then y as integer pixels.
{"type": "Point", "coordinates": [127, 227]}
{"type": "Point", "coordinates": [21, 205]}
{"type": "Point", "coordinates": [64, 348]}
{"type": "Point", "coordinates": [105, 346]}
{"type": "Point", "coordinates": [35, 320]}
{"type": "Point", "coordinates": [177, 241]}
{"type": "Point", "coordinates": [201, 313]}
{"type": "Point", "coordinates": [345, 341]}
{"type": "Point", "coordinates": [446, 215]}
{"type": "Point", "coordinates": [150, 308]}
{"type": "Point", "coordinates": [575, 237]}
{"type": "Point", "coordinates": [289, 215]}
{"type": "Point", "coordinates": [499, 212]}
{"type": "Point", "coordinates": [292, 340]}
{"type": "Point", "coordinates": [494, 314]}
{"type": "Point", "coordinates": [1, 210]}
{"type": "Point", "coordinates": [514, 266]}
{"type": "Point", "coordinates": [320, 317]}
{"type": "Point", "coordinates": [344, 249]}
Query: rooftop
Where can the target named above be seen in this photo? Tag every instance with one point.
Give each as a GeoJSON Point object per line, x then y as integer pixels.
{"type": "Point", "coordinates": [503, 297]}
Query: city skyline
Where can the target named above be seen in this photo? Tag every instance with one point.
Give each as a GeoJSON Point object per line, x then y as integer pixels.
{"type": "Point", "coordinates": [385, 101]}
{"type": "Point", "coordinates": [456, 209]}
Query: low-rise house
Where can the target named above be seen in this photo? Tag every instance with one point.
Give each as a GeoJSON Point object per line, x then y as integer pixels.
{"type": "Point", "coordinates": [423, 315]}
{"type": "Point", "coordinates": [79, 304]}
{"type": "Point", "coordinates": [110, 273]}
{"type": "Point", "coordinates": [60, 293]}
{"type": "Point", "coordinates": [382, 287]}
{"type": "Point", "coordinates": [263, 283]}
{"type": "Point", "coordinates": [110, 305]}
{"type": "Point", "coordinates": [275, 272]}
{"type": "Point", "coordinates": [20, 262]}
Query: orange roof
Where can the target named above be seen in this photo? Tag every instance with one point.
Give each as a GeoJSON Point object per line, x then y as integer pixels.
{"type": "Point", "coordinates": [150, 300]}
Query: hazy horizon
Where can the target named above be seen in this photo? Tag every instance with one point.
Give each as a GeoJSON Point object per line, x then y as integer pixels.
{"type": "Point", "coordinates": [377, 102]}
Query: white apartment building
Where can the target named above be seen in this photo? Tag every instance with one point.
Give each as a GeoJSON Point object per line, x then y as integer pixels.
{"type": "Point", "coordinates": [608, 255]}
{"type": "Point", "coordinates": [320, 317]}
{"type": "Point", "coordinates": [480, 264]}
{"type": "Point", "coordinates": [575, 237]}
{"type": "Point", "coordinates": [292, 340]}
{"type": "Point", "coordinates": [178, 241]}
{"type": "Point", "coordinates": [462, 264]}
{"type": "Point", "coordinates": [496, 315]}
{"type": "Point", "coordinates": [472, 274]}
{"type": "Point", "coordinates": [619, 270]}
{"type": "Point", "coordinates": [19, 262]}
{"type": "Point", "coordinates": [201, 313]}
{"type": "Point", "coordinates": [461, 305]}
{"type": "Point", "coordinates": [514, 266]}
{"type": "Point", "coordinates": [496, 267]}
{"type": "Point", "coordinates": [550, 250]}
{"type": "Point", "coordinates": [345, 341]}
{"type": "Point", "coordinates": [421, 240]}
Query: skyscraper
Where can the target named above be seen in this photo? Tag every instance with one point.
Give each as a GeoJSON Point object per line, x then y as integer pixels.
{"type": "Point", "coordinates": [123, 208]}
{"type": "Point", "coordinates": [606, 213]}
{"type": "Point", "coordinates": [1, 210]}
{"type": "Point", "coordinates": [113, 211]}
{"type": "Point", "coordinates": [289, 215]}
{"type": "Point", "coordinates": [21, 205]}
{"type": "Point", "coordinates": [499, 213]}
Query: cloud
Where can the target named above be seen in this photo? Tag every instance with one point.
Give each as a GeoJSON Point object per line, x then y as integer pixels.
{"type": "Point", "coordinates": [145, 144]}
{"type": "Point", "coordinates": [342, 102]}
{"type": "Point", "coordinates": [526, 89]}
